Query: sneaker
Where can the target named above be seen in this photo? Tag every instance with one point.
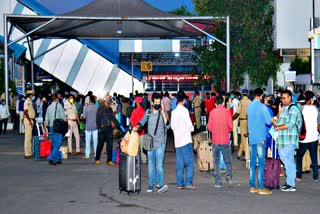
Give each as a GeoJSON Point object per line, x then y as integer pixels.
{"type": "Point", "coordinates": [283, 186]}
{"type": "Point", "coordinates": [163, 189]}
{"type": "Point", "coordinates": [85, 157]}
{"type": "Point", "coordinates": [264, 192]}
{"type": "Point", "coordinates": [228, 179]}
{"type": "Point", "coordinates": [217, 184]}
{"type": "Point", "coordinates": [98, 162]}
{"type": "Point", "coordinates": [150, 188]}
{"type": "Point", "coordinates": [298, 179]}
{"type": "Point", "coordinates": [288, 188]}
{"type": "Point", "coordinates": [253, 190]}
{"type": "Point", "coordinates": [110, 163]}
{"type": "Point", "coordinates": [222, 170]}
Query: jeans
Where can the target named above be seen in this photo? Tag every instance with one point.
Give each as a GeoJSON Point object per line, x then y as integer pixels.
{"type": "Point", "coordinates": [56, 140]}
{"type": "Point", "coordinates": [105, 136]}
{"type": "Point", "coordinates": [94, 134]}
{"type": "Point", "coordinates": [3, 123]}
{"type": "Point", "coordinates": [222, 162]}
{"type": "Point", "coordinates": [184, 159]}
{"type": "Point", "coordinates": [287, 157]}
{"type": "Point", "coordinates": [260, 151]}
{"type": "Point", "coordinates": [313, 149]}
{"type": "Point", "coordinates": [155, 165]}
{"type": "Point", "coordinates": [226, 152]}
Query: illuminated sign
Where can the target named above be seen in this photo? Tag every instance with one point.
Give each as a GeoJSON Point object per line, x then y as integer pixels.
{"type": "Point", "coordinates": [174, 77]}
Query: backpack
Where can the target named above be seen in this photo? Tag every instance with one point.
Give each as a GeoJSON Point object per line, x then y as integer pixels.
{"type": "Point", "coordinates": [303, 130]}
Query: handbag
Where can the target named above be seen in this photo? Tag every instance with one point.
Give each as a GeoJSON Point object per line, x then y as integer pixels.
{"type": "Point", "coordinates": [59, 125]}
{"type": "Point", "coordinates": [148, 139]}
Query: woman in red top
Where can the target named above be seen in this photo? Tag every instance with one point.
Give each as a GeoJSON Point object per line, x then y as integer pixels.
{"type": "Point", "coordinates": [136, 116]}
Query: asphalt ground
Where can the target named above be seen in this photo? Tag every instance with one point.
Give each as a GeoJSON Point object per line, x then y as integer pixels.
{"type": "Point", "coordinates": [80, 186]}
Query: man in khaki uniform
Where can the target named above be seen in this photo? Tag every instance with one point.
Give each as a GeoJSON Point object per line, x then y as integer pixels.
{"type": "Point", "coordinates": [197, 109]}
{"type": "Point", "coordinates": [29, 115]}
{"type": "Point", "coordinates": [242, 114]}
{"type": "Point", "coordinates": [73, 121]}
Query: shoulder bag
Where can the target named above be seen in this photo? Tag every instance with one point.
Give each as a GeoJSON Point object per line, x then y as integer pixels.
{"type": "Point", "coordinates": [59, 125]}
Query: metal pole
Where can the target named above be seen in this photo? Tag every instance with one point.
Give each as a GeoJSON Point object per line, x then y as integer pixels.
{"type": "Point", "coordinates": [132, 72]}
{"type": "Point", "coordinates": [202, 87]}
{"type": "Point", "coordinates": [32, 64]}
{"type": "Point", "coordinates": [228, 53]}
{"type": "Point", "coordinates": [6, 70]}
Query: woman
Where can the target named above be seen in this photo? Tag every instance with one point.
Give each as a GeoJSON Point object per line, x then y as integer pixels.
{"type": "Point", "coordinates": [156, 155]}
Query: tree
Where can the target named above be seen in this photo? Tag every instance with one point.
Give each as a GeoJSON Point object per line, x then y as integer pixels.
{"type": "Point", "coordinates": [301, 65]}
{"type": "Point", "coordinates": [182, 11]}
{"type": "Point", "coordinates": [251, 37]}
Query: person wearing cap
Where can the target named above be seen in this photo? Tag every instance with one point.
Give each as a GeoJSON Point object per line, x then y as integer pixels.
{"type": "Point", "coordinates": [242, 114]}
{"type": "Point", "coordinates": [73, 121]}
{"type": "Point", "coordinates": [29, 115]}
{"type": "Point", "coordinates": [136, 116]}
{"type": "Point", "coordinates": [106, 122]}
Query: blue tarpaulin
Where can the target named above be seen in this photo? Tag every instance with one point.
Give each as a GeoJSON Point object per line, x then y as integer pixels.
{"type": "Point", "coordinates": [17, 49]}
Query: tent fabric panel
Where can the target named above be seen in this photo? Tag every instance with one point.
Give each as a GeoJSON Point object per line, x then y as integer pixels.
{"type": "Point", "coordinates": [67, 59]}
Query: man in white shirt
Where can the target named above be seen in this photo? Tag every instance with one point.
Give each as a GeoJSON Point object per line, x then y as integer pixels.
{"type": "Point", "coordinates": [310, 115]}
{"type": "Point", "coordinates": [182, 127]}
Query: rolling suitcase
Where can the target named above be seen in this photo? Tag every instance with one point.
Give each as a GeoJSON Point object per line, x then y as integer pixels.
{"type": "Point", "coordinates": [129, 174]}
{"type": "Point", "coordinates": [205, 154]}
{"type": "Point", "coordinates": [272, 170]}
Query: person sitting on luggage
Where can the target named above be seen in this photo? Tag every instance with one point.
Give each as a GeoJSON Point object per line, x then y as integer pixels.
{"type": "Point", "coordinates": [182, 127]}
{"type": "Point", "coordinates": [54, 111]}
{"type": "Point", "coordinates": [220, 125]}
{"type": "Point", "coordinates": [258, 117]}
{"type": "Point", "coordinates": [156, 155]}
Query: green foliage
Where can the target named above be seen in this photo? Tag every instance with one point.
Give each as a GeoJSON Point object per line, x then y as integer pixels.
{"type": "Point", "coordinates": [182, 11]}
{"type": "Point", "coordinates": [301, 65]}
{"type": "Point", "coordinates": [251, 38]}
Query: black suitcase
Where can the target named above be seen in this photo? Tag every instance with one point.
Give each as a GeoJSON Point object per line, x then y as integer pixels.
{"type": "Point", "coordinates": [129, 174]}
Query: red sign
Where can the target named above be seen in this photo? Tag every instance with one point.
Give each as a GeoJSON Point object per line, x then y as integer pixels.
{"type": "Point", "coordinates": [173, 77]}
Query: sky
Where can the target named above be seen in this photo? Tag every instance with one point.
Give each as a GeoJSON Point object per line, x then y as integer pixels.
{"type": "Point", "coordinates": [165, 5]}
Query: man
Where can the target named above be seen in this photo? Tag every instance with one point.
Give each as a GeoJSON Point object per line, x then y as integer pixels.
{"type": "Point", "coordinates": [288, 126]}
{"type": "Point", "coordinates": [209, 104]}
{"type": "Point", "coordinates": [173, 102]}
{"type": "Point", "coordinates": [90, 114]}
{"type": "Point", "coordinates": [105, 124]}
{"type": "Point", "coordinates": [4, 115]}
{"type": "Point", "coordinates": [136, 116]}
{"type": "Point", "coordinates": [29, 115]}
{"type": "Point", "coordinates": [310, 115]}
{"type": "Point", "coordinates": [167, 103]}
{"type": "Point", "coordinates": [234, 105]}
{"type": "Point", "coordinates": [54, 111]}
{"type": "Point", "coordinates": [182, 127]}
{"type": "Point", "coordinates": [73, 121]}
{"type": "Point", "coordinates": [258, 117]}
{"type": "Point", "coordinates": [197, 109]}
{"type": "Point", "coordinates": [242, 114]}
{"type": "Point", "coordinates": [19, 107]}
{"type": "Point", "coordinates": [220, 125]}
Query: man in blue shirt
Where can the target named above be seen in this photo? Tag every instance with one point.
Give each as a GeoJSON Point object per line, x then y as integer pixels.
{"type": "Point", "coordinates": [258, 117]}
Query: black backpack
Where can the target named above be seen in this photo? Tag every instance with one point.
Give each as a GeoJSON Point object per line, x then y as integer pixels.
{"type": "Point", "coordinates": [303, 130]}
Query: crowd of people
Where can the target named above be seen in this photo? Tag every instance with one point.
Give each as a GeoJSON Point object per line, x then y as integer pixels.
{"type": "Point", "coordinates": [250, 113]}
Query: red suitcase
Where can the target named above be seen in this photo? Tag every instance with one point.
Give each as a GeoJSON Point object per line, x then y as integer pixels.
{"type": "Point", "coordinates": [45, 148]}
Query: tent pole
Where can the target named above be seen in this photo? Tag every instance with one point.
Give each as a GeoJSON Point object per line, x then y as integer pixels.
{"type": "Point", "coordinates": [228, 53]}
{"type": "Point", "coordinates": [6, 70]}
{"type": "Point", "coordinates": [202, 31]}
{"type": "Point", "coordinates": [30, 32]}
{"type": "Point", "coordinates": [132, 73]}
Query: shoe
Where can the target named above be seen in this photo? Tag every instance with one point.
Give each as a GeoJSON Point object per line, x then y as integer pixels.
{"type": "Point", "coordinates": [288, 188]}
{"type": "Point", "coordinates": [85, 157]}
{"type": "Point", "coordinates": [236, 148]}
{"type": "Point", "coordinates": [163, 189]}
{"type": "Point", "coordinates": [71, 153]}
{"type": "Point", "coordinates": [283, 186]}
{"type": "Point", "coordinates": [315, 180]}
{"type": "Point", "coordinates": [298, 179]}
{"type": "Point", "coordinates": [253, 190]}
{"type": "Point", "coordinates": [110, 163]}
{"type": "Point", "coordinates": [80, 153]}
{"type": "Point", "coordinates": [52, 162]}
{"type": "Point", "coordinates": [264, 192]}
{"type": "Point", "coordinates": [28, 157]}
{"type": "Point", "coordinates": [191, 187]}
{"type": "Point", "coordinates": [228, 179]}
{"type": "Point", "coordinates": [217, 184]}
{"type": "Point", "coordinates": [59, 162]}
{"type": "Point", "coordinates": [98, 162]}
{"type": "Point", "coordinates": [222, 170]}
{"type": "Point", "coordinates": [150, 188]}
{"type": "Point", "coordinates": [180, 188]}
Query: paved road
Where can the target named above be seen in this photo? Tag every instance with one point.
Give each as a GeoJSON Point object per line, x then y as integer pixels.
{"type": "Point", "coordinates": [80, 186]}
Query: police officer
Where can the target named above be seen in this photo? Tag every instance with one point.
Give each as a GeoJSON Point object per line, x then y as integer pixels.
{"type": "Point", "coordinates": [73, 121]}
{"type": "Point", "coordinates": [28, 120]}
{"type": "Point", "coordinates": [242, 114]}
{"type": "Point", "coordinates": [197, 109]}
{"type": "Point", "coordinates": [106, 121]}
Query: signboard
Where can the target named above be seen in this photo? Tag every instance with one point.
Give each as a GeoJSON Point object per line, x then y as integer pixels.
{"type": "Point", "coordinates": [174, 77]}
{"type": "Point", "coordinates": [146, 66]}
{"type": "Point", "coordinates": [290, 76]}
